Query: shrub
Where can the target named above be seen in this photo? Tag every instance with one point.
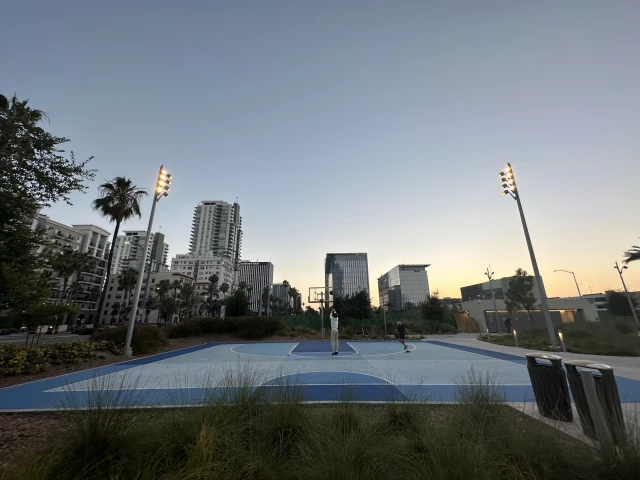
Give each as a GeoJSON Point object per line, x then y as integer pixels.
{"type": "Point", "coordinates": [8, 331]}
{"type": "Point", "coordinates": [446, 328]}
{"type": "Point", "coordinates": [145, 339]}
{"type": "Point", "coordinates": [15, 359]}
{"type": "Point", "coordinates": [243, 327]}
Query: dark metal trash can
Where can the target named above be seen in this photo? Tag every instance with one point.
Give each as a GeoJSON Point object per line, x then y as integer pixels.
{"type": "Point", "coordinates": [597, 400]}
{"type": "Point", "coordinates": [549, 382]}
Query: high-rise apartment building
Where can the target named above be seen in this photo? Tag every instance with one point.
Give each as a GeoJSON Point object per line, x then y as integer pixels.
{"type": "Point", "coordinates": [346, 273]}
{"type": "Point", "coordinates": [404, 286]}
{"type": "Point", "coordinates": [128, 252]}
{"type": "Point", "coordinates": [258, 275]}
{"type": "Point", "coordinates": [216, 230]}
{"type": "Point", "coordinates": [201, 267]}
{"type": "Point", "coordinates": [84, 287]}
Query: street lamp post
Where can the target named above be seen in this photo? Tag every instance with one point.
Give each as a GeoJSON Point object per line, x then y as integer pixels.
{"type": "Point", "coordinates": [510, 188]}
{"type": "Point", "coordinates": [624, 285]}
{"type": "Point", "coordinates": [162, 190]}
{"type": "Point", "coordinates": [489, 275]}
{"type": "Point", "coordinates": [574, 279]}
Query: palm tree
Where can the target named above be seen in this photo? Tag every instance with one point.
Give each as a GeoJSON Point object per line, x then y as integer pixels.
{"type": "Point", "coordinates": [293, 293]}
{"type": "Point", "coordinates": [632, 254]}
{"type": "Point", "coordinates": [127, 282]}
{"type": "Point", "coordinates": [163, 287]}
{"type": "Point", "coordinates": [175, 286]}
{"type": "Point", "coordinates": [213, 285]}
{"type": "Point", "coordinates": [265, 299]}
{"type": "Point", "coordinates": [224, 288]}
{"type": "Point", "coordinates": [119, 201]}
{"type": "Point", "coordinates": [66, 264]}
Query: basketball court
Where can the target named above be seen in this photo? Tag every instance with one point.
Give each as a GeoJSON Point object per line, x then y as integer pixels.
{"type": "Point", "coordinates": [366, 371]}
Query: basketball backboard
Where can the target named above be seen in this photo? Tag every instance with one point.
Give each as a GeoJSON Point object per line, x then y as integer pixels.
{"type": "Point", "coordinates": [320, 295]}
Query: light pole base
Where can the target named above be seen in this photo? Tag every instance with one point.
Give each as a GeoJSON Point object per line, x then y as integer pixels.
{"type": "Point", "coordinates": [128, 352]}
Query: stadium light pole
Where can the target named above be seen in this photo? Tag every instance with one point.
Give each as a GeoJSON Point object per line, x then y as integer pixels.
{"type": "Point", "coordinates": [489, 275]}
{"type": "Point", "coordinates": [509, 187]}
{"type": "Point", "coordinates": [162, 190]}
{"type": "Point", "coordinates": [574, 279]}
{"type": "Point", "coordinates": [624, 285]}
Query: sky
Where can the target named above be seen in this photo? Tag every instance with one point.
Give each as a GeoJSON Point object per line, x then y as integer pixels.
{"type": "Point", "coordinates": [360, 126]}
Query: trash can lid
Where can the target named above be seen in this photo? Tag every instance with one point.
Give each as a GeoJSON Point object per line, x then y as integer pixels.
{"type": "Point", "coordinates": [544, 356]}
{"type": "Point", "coordinates": [588, 364]}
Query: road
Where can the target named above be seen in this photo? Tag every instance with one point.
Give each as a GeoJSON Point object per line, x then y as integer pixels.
{"type": "Point", "coordinates": [44, 339]}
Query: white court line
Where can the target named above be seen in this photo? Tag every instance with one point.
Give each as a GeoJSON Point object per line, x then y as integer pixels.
{"type": "Point", "coordinates": [254, 354]}
{"type": "Point", "coordinates": [325, 371]}
{"type": "Point", "coordinates": [294, 347]}
{"type": "Point", "coordinates": [356, 350]}
{"type": "Point", "coordinates": [392, 353]}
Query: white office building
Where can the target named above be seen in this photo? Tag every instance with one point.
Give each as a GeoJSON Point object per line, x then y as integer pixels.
{"type": "Point", "coordinates": [258, 275]}
{"type": "Point", "coordinates": [128, 251]}
{"type": "Point", "coordinates": [404, 286]}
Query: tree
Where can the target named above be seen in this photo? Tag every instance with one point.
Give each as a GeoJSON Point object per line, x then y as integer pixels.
{"type": "Point", "coordinates": [65, 264]}
{"type": "Point", "coordinates": [213, 286]}
{"type": "Point", "coordinates": [618, 304]}
{"type": "Point", "coordinates": [519, 295]}
{"type": "Point", "coordinates": [119, 201]}
{"type": "Point", "coordinates": [265, 299]}
{"type": "Point", "coordinates": [237, 305]}
{"type": "Point", "coordinates": [433, 309]}
{"type": "Point", "coordinates": [632, 254]}
{"type": "Point", "coordinates": [34, 172]}
{"type": "Point", "coordinates": [175, 286]}
{"type": "Point", "coordinates": [311, 311]}
{"type": "Point", "coordinates": [149, 306]}
{"type": "Point", "coordinates": [187, 301]}
{"type": "Point", "coordinates": [163, 288]}
{"type": "Point", "coordinates": [168, 308]}
{"type": "Point", "coordinates": [293, 295]}
{"type": "Point", "coordinates": [46, 314]}
{"type": "Point", "coordinates": [224, 288]}
{"type": "Point", "coordinates": [127, 282]}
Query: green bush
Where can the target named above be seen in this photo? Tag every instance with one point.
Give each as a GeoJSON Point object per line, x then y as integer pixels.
{"type": "Point", "coordinates": [145, 339]}
{"type": "Point", "coordinates": [16, 359]}
{"type": "Point", "coordinates": [242, 327]}
{"type": "Point", "coordinates": [8, 331]}
{"type": "Point", "coordinates": [446, 328]}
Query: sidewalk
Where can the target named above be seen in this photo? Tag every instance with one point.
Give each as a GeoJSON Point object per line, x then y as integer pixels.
{"type": "Point", "coordinates": [628, 367]}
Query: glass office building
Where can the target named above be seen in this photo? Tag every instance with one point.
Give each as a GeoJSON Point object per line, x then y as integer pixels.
{"type": "Point", "coordinates": [346, 273]}
{"type": "Point", "coordinates": [404, 286]}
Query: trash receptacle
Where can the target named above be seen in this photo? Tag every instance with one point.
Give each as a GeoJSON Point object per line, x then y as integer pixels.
{"type": "Point", "coordinates": [549, 382]}
{"type": "Point", "coordinates": [595, 393]}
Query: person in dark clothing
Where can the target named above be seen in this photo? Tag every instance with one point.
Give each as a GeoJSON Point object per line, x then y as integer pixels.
{"type": "Point", "coordinates": [401, 333]}
{"type": "Point", "coordinates": [507, 323]}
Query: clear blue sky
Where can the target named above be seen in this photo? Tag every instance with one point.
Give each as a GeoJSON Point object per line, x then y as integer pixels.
{"type": "Point", "coordinates": [367, 126]}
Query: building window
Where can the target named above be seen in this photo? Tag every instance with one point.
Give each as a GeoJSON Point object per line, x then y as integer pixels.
{"type": "Point", "coordinates": [109, 296]}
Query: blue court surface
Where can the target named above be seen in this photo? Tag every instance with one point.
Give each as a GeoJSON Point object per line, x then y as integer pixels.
{"type": "Point", "coordinates": [367, 371]}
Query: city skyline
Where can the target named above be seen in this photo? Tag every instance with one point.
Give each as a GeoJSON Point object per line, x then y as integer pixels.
{"type": "Point", "coordinates": [385, 137]}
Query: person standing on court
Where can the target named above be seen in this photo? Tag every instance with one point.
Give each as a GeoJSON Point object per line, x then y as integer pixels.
{"type": "Point", "coordinates": [333, 316]}
{"type": "Point", "coordinates": [401, 333]}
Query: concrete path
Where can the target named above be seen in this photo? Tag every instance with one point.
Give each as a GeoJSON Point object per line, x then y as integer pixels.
{"type": "Point", "coordinates": [628, 367]}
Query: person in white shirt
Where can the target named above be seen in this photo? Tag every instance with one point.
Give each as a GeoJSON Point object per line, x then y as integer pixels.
{"type": "Point", "coordinates": [333, 316]}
